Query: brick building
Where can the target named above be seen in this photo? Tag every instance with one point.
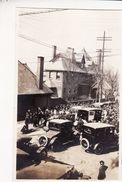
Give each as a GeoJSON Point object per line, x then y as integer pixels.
{"type": "Point", "coordinates": [69, 79]}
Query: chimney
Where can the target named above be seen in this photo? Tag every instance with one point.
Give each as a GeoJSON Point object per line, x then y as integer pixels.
{"type": "Point", "coordinates": [83, 62]}
{"type": "Point", "coordinates": [40, 69]}
{"type": "Point", "coordinates": [72, 58]}
{"type": "Point", "coordinates": [54, 51]}
{"type": "Point", "coordinates": [70, 53]}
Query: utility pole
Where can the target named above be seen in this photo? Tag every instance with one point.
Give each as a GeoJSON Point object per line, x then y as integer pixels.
{"type": "Point", "coordinates": [103, 39]}
{"type": "Point", "coordinates": [99, 74]}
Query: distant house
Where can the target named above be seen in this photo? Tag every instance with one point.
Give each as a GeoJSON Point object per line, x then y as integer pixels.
{"type": "Point", "coordinates": [67, 78]}
{"type": "Point", "coordinates": [106, 90]}
{"type": "Point", "coordinates": [32, 92]}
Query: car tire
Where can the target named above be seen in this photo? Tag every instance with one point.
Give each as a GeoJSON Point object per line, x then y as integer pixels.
{"type": "Point", "coordinates": [98, 148]}
{"type": "Point", "coordinates": [43, 141]}
{"type": "Point", "coordinates": [85, 143]}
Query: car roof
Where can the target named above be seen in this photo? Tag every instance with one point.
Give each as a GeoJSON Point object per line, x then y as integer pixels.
{"type": "Point", "coordinates": [103, 103]}
{"type": "Point", "coordinates": [90, 108]}
{"type": "Point", "coordinates": [98, 125]}
{"type": "Point", "coordinates": [76, 107]}
{"type": "Point", "coordinates": [60, 121]}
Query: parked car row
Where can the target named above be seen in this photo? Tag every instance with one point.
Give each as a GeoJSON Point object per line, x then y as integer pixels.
{"type": "Point", "coordinates": [96, 137]}
{"type": "Point", "coordinates": [59, 134]}
{"type": "Point", "coordinates": [91, 134]}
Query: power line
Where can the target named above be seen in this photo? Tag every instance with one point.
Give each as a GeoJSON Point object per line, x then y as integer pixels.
{"type": "Point", "coordinates": [111, 55]}
{"type": "Point", "coordinates": [40, 12]}
{"type": "Point", "coordinates": [39, 42]}
{"type": "Point", "coordinates": [34, 40]}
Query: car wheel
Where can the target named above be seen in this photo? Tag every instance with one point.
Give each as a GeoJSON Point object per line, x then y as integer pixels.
{"type": "Point", "coordinates": [98, 148]}
{"type": "Point", "coordinates": [43, 140]}
{"type": "Point", "coordinates": [85, 143]}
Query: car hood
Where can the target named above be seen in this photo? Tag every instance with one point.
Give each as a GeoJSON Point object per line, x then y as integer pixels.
{"type": "Point", "coordinates": [52, 133]}
{"type": "Point", "coordinates": [48, 170]}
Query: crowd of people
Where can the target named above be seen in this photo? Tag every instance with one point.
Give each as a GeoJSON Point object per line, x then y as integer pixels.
{"type": "Point", "coordinates": [110, 114]}
{"type": "Point", "coordinates": [35, 116]}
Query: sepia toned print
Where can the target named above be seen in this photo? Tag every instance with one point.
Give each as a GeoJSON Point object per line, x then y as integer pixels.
{"type": "Point", "coordinates": [68, 94]}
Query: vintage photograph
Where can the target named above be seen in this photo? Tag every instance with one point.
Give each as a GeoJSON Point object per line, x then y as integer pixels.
{"type": "Point", "coordinates": [68, 93]}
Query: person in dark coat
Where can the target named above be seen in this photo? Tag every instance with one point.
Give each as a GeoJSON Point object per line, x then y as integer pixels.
{"type": "Point", "coordinates": [40, 114]}
{"type": "Point", "coordinates": [35, 119]}
{"type": "Point", "coordinates": [102, 171]}
{"type": "Point", "coordinates": [27, 121]}
{"type": "Point", "coordinates": [27, 118]}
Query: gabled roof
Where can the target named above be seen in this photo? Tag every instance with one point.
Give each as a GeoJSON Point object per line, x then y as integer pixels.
{"type": "Point", "coordinates": [27, 81]}
{"type": "Point", "coordinates": [105, 85]}
{"type": "Point", "coordinates": [62, 63]}
{"type": "Point", "coordinates": [83, 54]}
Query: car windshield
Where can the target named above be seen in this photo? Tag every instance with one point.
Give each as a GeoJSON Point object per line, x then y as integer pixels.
{"type": "Point", "coordinates": [83, 114]}
{"type": "Point", "coordinates": [88, 130]}
{"type": "Point", "coordinates": [98, 114]}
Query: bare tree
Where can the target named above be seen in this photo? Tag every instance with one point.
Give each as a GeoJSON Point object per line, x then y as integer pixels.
{"type": "Point", "coordinates": [112, 79]}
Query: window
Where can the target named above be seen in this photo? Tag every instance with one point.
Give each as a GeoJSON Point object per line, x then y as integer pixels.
{"type": "Point", "coordinates": [54, 126]}
{"type": "Point", "coordinates": [69, 90]}
{"type": "Point", "coordinates": [88, 130]}
{"type": "Point", "coordinates": [57, 75]}
{"type": "Point", "coordinates": [50, 76]}
{"type": "Point", "coordinates": [91, 113]}
{"type": "Point", "coordinates": [55, 93]}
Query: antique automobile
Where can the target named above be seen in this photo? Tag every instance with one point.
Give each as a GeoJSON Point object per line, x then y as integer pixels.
{"type": "Point", "coordinates": [101, 104]}
{"type": "Point", "coordinates": [88, 114]}
{"type": "Point", "coordinates": [30, 144]}
{"type": "Point", "coordinates": [49, 170]}
{"type": "Point", "coordinates": [59, 134]}
{"type": "Point", "coordinates": [98, 137]}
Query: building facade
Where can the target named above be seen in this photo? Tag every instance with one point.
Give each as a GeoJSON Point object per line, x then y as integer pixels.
{"type": "Point", "coordinates": [32, 92]}
{"type": "Point", "coordinates": [69, 79]}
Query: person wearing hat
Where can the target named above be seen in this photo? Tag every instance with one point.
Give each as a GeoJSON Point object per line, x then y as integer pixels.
{"type": "Point", "coordinates": [102, 170]}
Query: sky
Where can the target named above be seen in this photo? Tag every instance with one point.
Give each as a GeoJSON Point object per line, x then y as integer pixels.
{"type": "Point", "coordinates": [37, 32]}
